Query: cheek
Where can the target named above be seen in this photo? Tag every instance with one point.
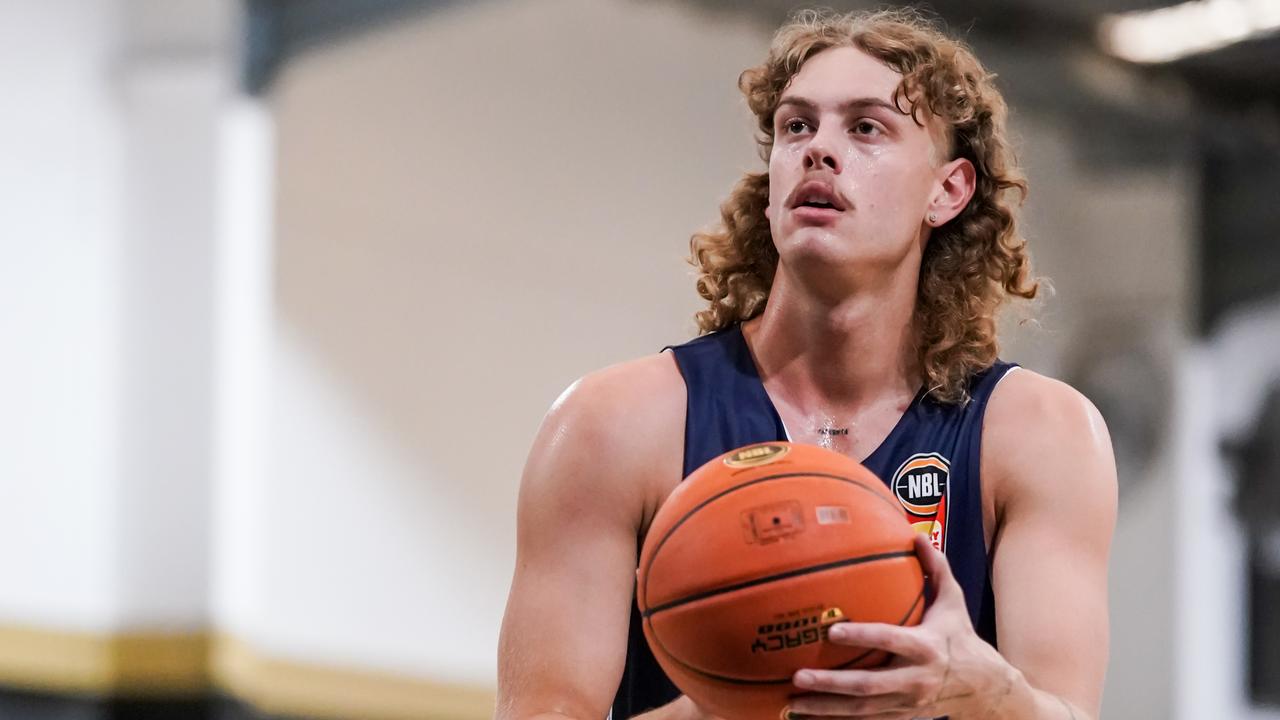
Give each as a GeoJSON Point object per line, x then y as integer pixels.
{"type": "Point", "coordinates": [868, 161]}
{"type": "Point", "coordinates": [886, 183]}
{"type": "Point", "coordinates": [785, 161]}
{"type": "Point", "coordinates": [864, 168]}
{"type": "Point", "coordinates": [780, 169]}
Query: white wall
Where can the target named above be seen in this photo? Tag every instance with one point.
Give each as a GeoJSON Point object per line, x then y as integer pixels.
{"type": "Point", "coordinates": [60, 222]}
{"type": "Point", "coordinates": [243, 332]}
{"type": "Point", "coordinates": [105, 301]}
{"type": "Point", "coordinates": [475, 208]}
{"type": "Point", "coordinates": [169, 97]}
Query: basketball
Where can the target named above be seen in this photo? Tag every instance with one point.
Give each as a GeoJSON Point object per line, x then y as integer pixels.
{"type": "Point", "coordinates": [754, 556]}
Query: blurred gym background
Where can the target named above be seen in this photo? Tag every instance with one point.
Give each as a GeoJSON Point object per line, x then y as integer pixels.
{"type": "Point", "coordinates": [287, 286]}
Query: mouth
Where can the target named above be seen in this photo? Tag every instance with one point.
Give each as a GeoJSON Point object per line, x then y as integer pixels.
{"type": "Point", "coordinates": [816, 203]}
{"type": "Point", "coordinates": [817, 196]}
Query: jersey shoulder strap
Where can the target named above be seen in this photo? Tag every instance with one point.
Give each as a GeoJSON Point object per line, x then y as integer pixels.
{"type": "Point", "coordinates": [727, 404]}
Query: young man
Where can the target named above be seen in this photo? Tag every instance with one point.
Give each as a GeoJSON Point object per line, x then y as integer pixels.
{"type": "Point", "coordinates": [852, 294]}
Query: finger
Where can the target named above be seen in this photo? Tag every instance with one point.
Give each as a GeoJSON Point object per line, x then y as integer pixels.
{"type": "Point", "coordinates": [938, 571]}
{"type": "Point", "coordinates": [835, 706]}
{"type": "Point", "coordinates": [901, 641]}
{"type": "Point", "coordinates": [863, 683]}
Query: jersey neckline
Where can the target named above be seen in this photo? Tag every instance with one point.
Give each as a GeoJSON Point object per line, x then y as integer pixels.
{"type": "Point", "coordinates": [898, 428]}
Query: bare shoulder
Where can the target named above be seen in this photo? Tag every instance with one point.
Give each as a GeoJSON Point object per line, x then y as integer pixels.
{"type": "Point", "coordinates": [614, 437]}
{"type": "Point", "coordinates": [1038, 432]}
{"type": "Point", "coordinates": [1028, 403]}
{"type": "Point", "coordinates": [626, 408]}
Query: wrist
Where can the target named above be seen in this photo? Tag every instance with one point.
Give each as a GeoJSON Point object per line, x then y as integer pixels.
{"type": "Point", "coordinates": [997, 688]}
{"type": "Point", "coordinates": [1009, 683]}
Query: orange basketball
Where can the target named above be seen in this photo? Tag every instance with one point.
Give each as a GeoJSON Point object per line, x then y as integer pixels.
{"type": "Point", "coordinates": [754, 556]}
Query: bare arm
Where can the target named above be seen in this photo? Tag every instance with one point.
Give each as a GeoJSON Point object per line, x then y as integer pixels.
{"type": "Point", "coordinates": [1047, 450]}
{"type": "Point", "coordinates": [587, 490]}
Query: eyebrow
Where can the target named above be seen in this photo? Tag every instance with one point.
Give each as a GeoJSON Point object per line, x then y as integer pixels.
{"type": "Point", "coordinates": [854, 103]}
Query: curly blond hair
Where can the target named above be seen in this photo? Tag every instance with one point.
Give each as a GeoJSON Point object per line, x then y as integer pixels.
{"type": "Point", "coordinates": [971, 265]}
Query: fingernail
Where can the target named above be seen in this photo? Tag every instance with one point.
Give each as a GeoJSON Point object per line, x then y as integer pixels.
{"type": "Point", "coordinates": [805, 678]}
{"type": "Point", "coordinates": [837, 631]}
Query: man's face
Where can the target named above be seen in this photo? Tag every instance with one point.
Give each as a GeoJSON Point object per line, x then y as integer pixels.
{"type": "Point", "coordinates": [850, 176]}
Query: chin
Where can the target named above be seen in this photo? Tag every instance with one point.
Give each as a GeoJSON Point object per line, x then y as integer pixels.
{"type": "Point", "coordinates": [817, 242]}
{"type": "Point", "coordinates": [822, 258]}
{"type": "Point", "coordinates": [818, 256]}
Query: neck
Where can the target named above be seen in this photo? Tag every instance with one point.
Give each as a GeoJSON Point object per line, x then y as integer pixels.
{"type": "Point", "coordinates": [837, 356]}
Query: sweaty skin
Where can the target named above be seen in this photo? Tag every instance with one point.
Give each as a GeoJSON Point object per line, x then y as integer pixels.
{"type": "Point", "coordinates": [835, 340]}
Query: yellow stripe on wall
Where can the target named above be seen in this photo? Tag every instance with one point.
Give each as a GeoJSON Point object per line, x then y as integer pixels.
{"type": "Point", "coordinates": [157, 664]}
{"type": "Point", "coordinates": [289, 688]}
{"type": "Point", "coordinates": [183, 665]}
{"type": "Point", "coordinates": [55, 661]}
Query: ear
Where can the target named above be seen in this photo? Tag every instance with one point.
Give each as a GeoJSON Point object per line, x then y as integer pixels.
{"type": "Point", "coordinates": [956, 183]}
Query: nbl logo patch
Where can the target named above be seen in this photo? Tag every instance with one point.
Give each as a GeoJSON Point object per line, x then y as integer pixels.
{"type": "Point", "coordinates": [921, 485]}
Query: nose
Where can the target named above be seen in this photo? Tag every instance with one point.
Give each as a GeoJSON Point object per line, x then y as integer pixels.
{"type": "Point", "coordinates": [819, 154]}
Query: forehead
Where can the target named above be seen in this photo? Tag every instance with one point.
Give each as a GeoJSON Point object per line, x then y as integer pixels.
{"type": "Point", "coordinates": [841, 73]}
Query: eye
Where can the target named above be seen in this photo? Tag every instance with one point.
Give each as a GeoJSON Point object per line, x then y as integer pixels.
{"type": "Point", "coordinates": [866, 127]}
{"type": "Point", "coordinates": [795, 126]}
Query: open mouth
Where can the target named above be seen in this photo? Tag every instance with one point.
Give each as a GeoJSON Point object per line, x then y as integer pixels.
{"type": "Point", "coordinates": [823, 204]}
{"type": "Point", "coordinates": [817, 195]}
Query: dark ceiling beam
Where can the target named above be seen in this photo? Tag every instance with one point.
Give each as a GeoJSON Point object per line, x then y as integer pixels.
{"type": "Point", "coordinates": [280, 29]}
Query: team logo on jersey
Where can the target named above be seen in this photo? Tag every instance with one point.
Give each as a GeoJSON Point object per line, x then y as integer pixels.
{"type": "Point", "coordinates": [922, 486]}
{"type": "Point", "coordinates": [754, 455]}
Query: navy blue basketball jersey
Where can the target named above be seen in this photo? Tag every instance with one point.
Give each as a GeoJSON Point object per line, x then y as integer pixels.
{"type": "Point", "coordinates": [930, 461]}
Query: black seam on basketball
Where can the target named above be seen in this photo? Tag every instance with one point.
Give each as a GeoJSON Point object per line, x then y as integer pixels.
{"type": "Point", "coordinates": [653, 633]}
{"type": "Point", "coordinates": [713, 676]}
{"type": "Point", "coordinates": [776, 577]}
{"type": "Point", "coordinates": [735, 488]}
